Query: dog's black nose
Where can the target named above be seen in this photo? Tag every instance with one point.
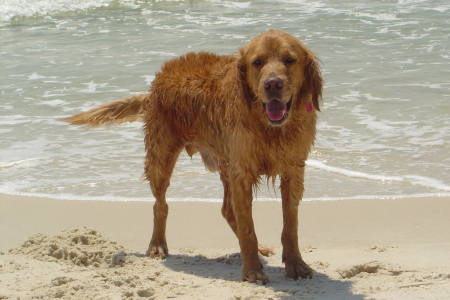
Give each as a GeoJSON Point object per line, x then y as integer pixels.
{"type": "Point", "coordinates": [273, 83]}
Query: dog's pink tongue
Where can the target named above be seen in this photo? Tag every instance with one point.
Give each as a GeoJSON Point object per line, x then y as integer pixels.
{"type": "Point", "coordinates": [275, 110]}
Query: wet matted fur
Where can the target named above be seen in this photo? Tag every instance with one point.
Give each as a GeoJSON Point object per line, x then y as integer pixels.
{"type": "Point", "coordinates": [251, 115]}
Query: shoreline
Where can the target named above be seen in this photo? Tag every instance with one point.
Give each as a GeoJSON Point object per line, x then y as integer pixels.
{"type": "Point", "coordinates": [276, 198]}
{"type": "Point", "coordinates": [21, 216]}
{"type": "Point", "coordinates": [360, 249]}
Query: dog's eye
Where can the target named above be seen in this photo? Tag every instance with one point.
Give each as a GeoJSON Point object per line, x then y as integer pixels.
{"type": "Point", "coordinates": [257, 62]}
{"type": "Point", "coordinates": [289, 60]}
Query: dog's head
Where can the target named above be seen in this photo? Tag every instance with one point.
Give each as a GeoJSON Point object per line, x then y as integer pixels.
{"type": "Point", "coordinates": [281, 73]}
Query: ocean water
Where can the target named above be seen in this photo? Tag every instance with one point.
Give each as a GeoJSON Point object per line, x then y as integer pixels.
{"type": "Point", "coordinates": [383, 132]}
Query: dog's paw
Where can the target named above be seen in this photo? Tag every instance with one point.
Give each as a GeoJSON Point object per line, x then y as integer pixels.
{"type": "Point", "coordinates": [265, 251]}
{"type": "Point", "coordinates": [157, 251]}
{"type": "Point", "coordinates": [298, 268]}
{"type": "Point", "coordinates": [253, 276]}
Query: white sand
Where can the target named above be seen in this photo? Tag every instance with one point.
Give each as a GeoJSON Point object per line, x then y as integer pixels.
{"type": "Point", "coordinates": [361, 249]}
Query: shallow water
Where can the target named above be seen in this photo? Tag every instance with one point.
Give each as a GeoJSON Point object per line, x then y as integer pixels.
{"type": "Point", "coordinates": [383, 131]}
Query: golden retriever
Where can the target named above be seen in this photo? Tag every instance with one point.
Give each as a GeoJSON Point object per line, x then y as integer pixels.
{"type": "Point", "coordinates": [250, 115]}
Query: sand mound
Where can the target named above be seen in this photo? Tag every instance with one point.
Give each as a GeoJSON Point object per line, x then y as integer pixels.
{"type": "Point", "coordinates": [368, 268]}
{"type": "Point", "coordinates": [82, 247]}
{"type": "Point", "coordinates": [81, 264]}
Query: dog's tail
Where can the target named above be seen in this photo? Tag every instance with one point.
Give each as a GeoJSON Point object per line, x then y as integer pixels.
{"type": "Point", "coordinates": [119, 111]}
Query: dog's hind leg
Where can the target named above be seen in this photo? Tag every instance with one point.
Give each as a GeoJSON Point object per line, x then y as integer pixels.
{"type": "Point", "coordinates": [227, 209]}
{"type": "Point", "coordinates": [163, 149]}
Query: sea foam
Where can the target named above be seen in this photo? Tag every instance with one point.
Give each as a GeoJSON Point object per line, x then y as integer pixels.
{"type": "Point", "coordinates": [27, 8]}
{"type": "Point", "coordinates": [411, 179]}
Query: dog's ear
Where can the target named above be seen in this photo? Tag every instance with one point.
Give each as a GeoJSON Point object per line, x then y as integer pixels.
{"type": "Point", "coordinates": [313, 84]}
{"type": "Point", "coordinates": [241, 67]}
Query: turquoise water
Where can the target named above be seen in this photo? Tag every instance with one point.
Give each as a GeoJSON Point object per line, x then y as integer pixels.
{"type": "Point", "coordinates": [383, 131]}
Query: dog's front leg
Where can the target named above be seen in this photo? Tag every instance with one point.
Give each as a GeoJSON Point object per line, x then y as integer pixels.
{"type": "Point", "coordinates": [242, 207]}
{"type": "Point", "coordinates": [291, 195]}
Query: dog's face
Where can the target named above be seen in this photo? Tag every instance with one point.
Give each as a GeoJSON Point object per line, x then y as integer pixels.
{"type": "Point", "coordinates": [280, 72]}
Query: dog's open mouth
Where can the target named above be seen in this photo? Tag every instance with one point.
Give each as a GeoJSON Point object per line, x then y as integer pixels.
{"type": "Point", "coordinates": [276, 110]}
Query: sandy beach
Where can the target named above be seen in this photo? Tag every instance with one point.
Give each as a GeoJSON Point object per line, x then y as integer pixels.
{"type": "Point", "coordinates": [360, 249]}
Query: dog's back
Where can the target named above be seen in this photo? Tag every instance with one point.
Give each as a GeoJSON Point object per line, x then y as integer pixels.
{"type": "Point", "coordinates": [190, 83]}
